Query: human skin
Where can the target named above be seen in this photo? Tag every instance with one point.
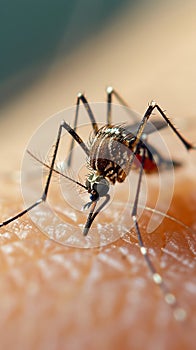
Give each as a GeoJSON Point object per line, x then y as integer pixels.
{"type": "Point", "coordinates": [58, 297]}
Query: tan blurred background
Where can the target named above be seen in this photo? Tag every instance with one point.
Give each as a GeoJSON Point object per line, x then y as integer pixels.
{"type": "Point", "coordinates": [146, 52]}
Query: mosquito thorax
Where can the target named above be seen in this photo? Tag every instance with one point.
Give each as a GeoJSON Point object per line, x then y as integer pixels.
{"type": "Point", "coordinates": [97, 185]}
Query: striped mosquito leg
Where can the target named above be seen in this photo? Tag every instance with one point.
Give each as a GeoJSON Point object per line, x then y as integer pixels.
{"type": "Point", "coordinates": [81, 98]}
{"type": "Point", "coordinates": [111, 92]}
{"type": "Point", "coordinates": [43, 198]}
{"type": "Point", "coordinates": [153, 105]}
{"type": "Point", "coordinates": [178, 312]}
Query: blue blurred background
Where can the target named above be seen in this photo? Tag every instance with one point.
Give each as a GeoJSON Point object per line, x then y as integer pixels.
{"type": "Point", "coordinates": [51, 50]}
{"type": "Point", "coordinates": [32, 33]}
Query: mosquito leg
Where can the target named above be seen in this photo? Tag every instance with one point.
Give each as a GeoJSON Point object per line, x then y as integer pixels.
{"type": "Point", "coordinates": [77, 138]}
{"type": "Point", "coordinates": [110, 91]}
{"type": "Point", "coordinates": [147, 115]}
{"type": "Point", "coordinates": [81, 98]}
{"type": "Point", "coordinates": [6, 222]}
{"type": "Point", "coordinates": [179, 313]}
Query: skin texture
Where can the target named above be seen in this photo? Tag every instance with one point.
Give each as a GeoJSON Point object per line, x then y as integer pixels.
{"type": "Point", "coordinates": [56, 297]}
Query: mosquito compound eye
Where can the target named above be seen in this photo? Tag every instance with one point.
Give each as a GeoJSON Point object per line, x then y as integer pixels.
{"type": "Point", "coordinates": [101, 187]}
{"type": "Point", "coordinates": [97, 184]}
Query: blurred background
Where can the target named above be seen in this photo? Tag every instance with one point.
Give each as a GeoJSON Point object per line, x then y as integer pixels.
{"type": "Point", "coordinates": [52, 50]}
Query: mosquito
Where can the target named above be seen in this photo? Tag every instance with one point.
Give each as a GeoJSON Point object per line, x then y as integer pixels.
{"type": "Point", "coordinates": [113, 152]}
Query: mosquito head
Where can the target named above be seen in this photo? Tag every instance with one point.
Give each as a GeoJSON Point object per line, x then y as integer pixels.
{"type": "Point", "coordinates": [97, 186]}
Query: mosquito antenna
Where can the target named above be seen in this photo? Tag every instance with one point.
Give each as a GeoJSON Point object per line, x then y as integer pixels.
{"type": "Point", "coordinates": [55, 170]}
{"type": "Point", "coordinates": [92, 215]}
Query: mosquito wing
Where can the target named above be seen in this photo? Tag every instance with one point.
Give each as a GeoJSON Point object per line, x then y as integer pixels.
{"type": "Point", "coordinates": [149, 128]}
